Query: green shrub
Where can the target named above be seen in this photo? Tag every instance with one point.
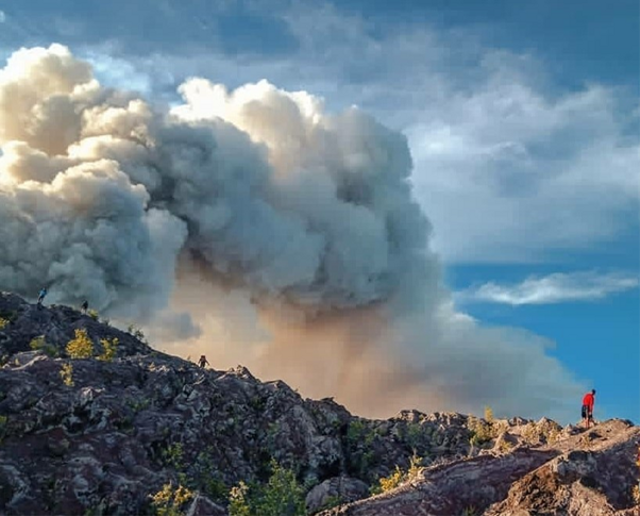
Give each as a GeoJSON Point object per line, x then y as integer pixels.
{"type": "Point", "coordinates": [93, 314]}
{"type": "Point", "coordinates": [81, 346]}
{"type": "Point", "coordinates": [139, 334]}
{"type": "Point", "coordinates": [170, 501]}
{"type": "Point", "coordinates": [40, 344]}
{"type": "Point", "coordinates": [173, 456]}
{"type": "Point", "coordinates": [398, 477]}
{"type": "Point", "coordinates": [4, 323]}
{"type": "Point", "coordinates": [282, 495]}
{"type": "Point", "coordinates": [481, 432]}
{"type": "Point", "coordinates": [109, 349]}
{"type": "Point", "coordinates": [66, 373]}
{"type": "Point", "coordinates": [205, 477]}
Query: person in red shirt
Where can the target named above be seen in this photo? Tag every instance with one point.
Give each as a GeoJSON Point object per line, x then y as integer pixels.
{"type": "Point", "coordinates": [587, 407]}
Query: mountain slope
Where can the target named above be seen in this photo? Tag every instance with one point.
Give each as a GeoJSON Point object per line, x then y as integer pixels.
{"type": "Point", "coordinates": [102, 435]}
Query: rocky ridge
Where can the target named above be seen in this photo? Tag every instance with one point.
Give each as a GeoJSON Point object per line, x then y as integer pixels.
{"type": "Point", "coordinates": [89, 436]}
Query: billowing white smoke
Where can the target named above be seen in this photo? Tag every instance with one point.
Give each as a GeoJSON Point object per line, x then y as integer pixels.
{"type": "Point", "coordinates": [309, 216]}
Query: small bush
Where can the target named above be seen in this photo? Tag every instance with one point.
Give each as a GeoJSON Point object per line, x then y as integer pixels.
{"type": "Point", "coordinates": [169, 501]}
{"type": "Point", "coordinates": [93, 314]}
{"type": "Point", "coordinates": [239, 502]}
{"type": "Point", "coordinates": [4, 323]}
{"type": "Point", "coordinates": [281, 496]}
{"type": "Point", "coordinates": [66, 373]}
{"type": "Point", "coordinates": [40, 344]}
{"type": "Point", "coordinates": [81, 346]}
{"type": "Point", "coordinates": [548, 431]}
{"type": "Point", "coordinates": [109, 349]}
{"type": "Point", "coordinates": [398, 477]}
{"type": "Point", "coordinates": [481, 432]}
{"type": "Point", "coordinates": [388, 483]}
{"type": "Point", "coordinates": [488, 414]}
{"type": "Point", "coordinates": [138, 334]}
{"type": "Point", "coordinates": [173, 456]}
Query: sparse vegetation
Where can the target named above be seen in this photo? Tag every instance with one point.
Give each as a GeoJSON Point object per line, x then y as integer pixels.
{"type": "Point", "coordinates": [170, 501]}
{"type": "Point", "coordinates": [204, 476]}
{"type": "Point", "coordinates": [93, 314]}
{"type": "Point", "coordinates": [109, 349]}
{"type": "Point", "coordinates": [332, 501]}
{"type": "Point", "coordinates": [81, 346]}
{"type": "Point", "coordinates": [138, 404]}
{"type": "Point", "coordinates": [485, 430]}
{"type": "Point", "coordinates": [4, 323]}
{"type": "Point", "coordinates": [281, 496]}
{"type": "Point", "coordinates": [488, 414]}
{"type": "Point", "coordinates": [481, 431]}
{"type": "Point", "coordinates": [40, 344]}
{"type": "Point", "coordinates": [547, 431]}
{"type": "Point", "coordinates": [173, 456]}
{"type": "Point", "coordinates": [504, 446]}
{"type": "Point", "coordinates": [398, 477]}
{"type": "Point", "coordinates": [139, 334]}
{"type": "Point", "coordinates": [360, 439]}
{"type": "Point", "coordinates": [66, 373]}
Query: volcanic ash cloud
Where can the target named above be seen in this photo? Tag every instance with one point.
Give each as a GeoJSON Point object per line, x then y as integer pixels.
{"type": "Point", "coordinates": [275, 226]}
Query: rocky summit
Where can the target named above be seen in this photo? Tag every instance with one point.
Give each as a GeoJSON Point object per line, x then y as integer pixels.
{"type": "Point", "coordinates": [94, 421]}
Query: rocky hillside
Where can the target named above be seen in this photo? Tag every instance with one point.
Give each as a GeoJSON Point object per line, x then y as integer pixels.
{"type": "Point", "coordinates": [129, 430]}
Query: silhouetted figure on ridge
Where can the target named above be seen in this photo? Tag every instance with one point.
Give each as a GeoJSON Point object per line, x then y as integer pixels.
{"type": "Point", "coordinates": [203, 361]}
{"type": "Point", "coordinates": [41, 296]}
{"type": "Point", "coordinates": [587, 407]}
{"type": "Point", "coordinates": [84, 306]}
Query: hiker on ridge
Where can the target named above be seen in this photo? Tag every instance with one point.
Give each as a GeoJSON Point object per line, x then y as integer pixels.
{"type": "Point", "coordinates": [41, 296]}
{"type": "Point", "coordinates": [587, 407]}
{"type": "Point", "coordinates": [202, 361]}
{"type": "Point", "coordinates": [84, 306]}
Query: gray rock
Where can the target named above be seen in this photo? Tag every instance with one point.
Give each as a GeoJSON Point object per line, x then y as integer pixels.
{"type": "Point", "coordinates": [335, 491]}
{"type": "Point", "coordinates": [117, 432]}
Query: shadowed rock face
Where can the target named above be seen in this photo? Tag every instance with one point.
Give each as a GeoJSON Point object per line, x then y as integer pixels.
{"type": "Point", "coordinates": [591, 473]}
{"type": "Point", "coordinates": [117, 431]}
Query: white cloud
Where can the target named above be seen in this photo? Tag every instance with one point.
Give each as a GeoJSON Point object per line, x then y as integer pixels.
{"type": "Point", "coordinates": [3, 17]}
{"type": "Point", "coordinates": [306, 214]}
{"type": "Point", "coordinates": [554, 288]}
{"type": "Point", "coordinates": [507, 167]}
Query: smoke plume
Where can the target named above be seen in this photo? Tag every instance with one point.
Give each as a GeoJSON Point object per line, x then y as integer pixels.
{"type": "Point", "coordinates": [254, 227]}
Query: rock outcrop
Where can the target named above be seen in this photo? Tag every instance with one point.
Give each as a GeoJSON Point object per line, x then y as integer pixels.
{"type": "Point", "coordinates": [102, 436]}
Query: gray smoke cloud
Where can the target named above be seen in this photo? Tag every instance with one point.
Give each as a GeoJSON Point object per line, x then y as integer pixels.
{"type": "Point", "coordinates": [256, 200]}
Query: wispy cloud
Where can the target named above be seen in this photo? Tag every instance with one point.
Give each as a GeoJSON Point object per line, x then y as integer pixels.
{"type": "Point", "coordinates": [554, 288]}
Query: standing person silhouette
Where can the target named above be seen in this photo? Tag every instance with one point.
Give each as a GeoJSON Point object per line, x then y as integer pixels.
{"type": "Point", "coordinates": [41, 296]}
{"type": "Point", "coordinates": [202, 361]}
{"type": "Point", "coordinates": [587, 407]}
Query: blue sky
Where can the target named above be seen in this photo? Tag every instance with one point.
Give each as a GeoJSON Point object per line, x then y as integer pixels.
{"type": "Point", "coordinates": [522, 119]}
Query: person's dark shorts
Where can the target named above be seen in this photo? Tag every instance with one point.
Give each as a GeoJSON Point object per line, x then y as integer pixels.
{"type": "Point", "coordinates": [585, 412]}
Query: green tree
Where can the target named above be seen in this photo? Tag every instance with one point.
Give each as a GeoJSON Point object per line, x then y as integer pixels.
{"type": "Point", "coordinates": [282, 495]}
{"type": "Point", "coordinates": [81, 346]}
{"type": "Point", "coordinates": [109, 349]}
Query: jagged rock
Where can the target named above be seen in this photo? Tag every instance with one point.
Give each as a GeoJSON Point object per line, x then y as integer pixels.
{"type": "Point", "coordinates": [335, 491]}
{"type": "Point", "coordinates": [93, 436]}
{"type": "Point", "coordinates": [574, 476]}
